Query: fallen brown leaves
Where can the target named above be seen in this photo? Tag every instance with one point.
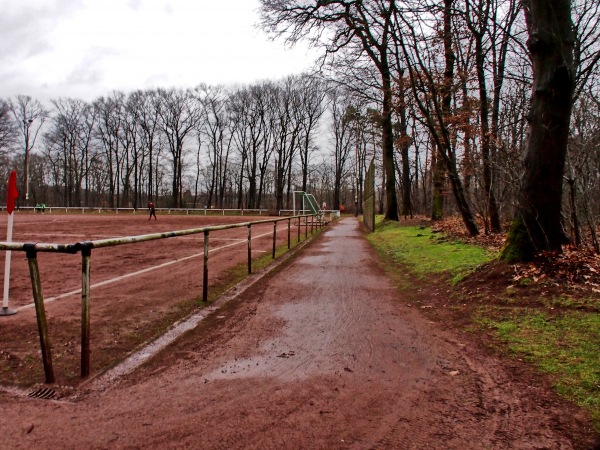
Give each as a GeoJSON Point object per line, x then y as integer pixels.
{"type": "Point", "coordinates": [575, 267]}
{"type": "Point", "coordinates": [454, 226]}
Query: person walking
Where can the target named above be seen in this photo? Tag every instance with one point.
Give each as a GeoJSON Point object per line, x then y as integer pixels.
{"type": "Point", "coordinates": [151, 209]}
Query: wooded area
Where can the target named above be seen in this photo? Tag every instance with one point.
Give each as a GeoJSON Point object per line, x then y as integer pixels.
{"type": "Point", "coordinates": [455, 99]}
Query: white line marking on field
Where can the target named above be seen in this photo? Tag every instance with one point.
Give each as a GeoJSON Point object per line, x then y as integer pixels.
{"type": "Point", "coordinates": [139, 272]}
{"type": "Point", "coordinates": [53, 234]}
{"type": "Point", "coordinates": [231, 239]}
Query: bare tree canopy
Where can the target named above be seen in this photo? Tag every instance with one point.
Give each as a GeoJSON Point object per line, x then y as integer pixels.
{"type": "Point", "coordinates": [355, 27]}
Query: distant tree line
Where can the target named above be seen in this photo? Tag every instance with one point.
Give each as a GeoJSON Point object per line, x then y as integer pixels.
{"type": "Point", "coordinates": [211, 146]}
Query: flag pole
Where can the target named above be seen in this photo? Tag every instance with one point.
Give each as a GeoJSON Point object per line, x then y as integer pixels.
{"type": "Point", "coordinates": [10, 207]}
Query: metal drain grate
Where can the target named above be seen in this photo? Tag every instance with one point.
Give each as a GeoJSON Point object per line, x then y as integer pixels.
{"type": "Point", "coordinates": [43, 393]}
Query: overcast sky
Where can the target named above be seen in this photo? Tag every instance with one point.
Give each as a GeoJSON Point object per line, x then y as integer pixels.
{"type": "Point", "coordinates": [87, 48]}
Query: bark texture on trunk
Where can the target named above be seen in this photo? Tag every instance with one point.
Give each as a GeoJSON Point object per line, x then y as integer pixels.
{"type": "Point", "coordinates": [438, 179]}
{"type": "Point", "coordinates": [537, 225]}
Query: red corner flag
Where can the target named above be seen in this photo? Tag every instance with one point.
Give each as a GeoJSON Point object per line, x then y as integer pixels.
{"type": "Point", "coordinates": [12, 193]}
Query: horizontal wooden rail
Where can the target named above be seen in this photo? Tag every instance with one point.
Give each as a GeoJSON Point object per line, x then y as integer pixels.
{"type": "Point", "coordinates": [86, 247]}
{"type": "Point", "coordinates": [110, 242]}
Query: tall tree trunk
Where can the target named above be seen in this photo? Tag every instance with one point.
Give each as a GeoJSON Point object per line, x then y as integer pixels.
{"type": "Point", "coordinates": [404, 144]}
{"type": "Point", "coordinates": [150, 185]}
{"type": "Point", "coordinates": [537, 224]}
{"type": "Point", "coordinates": [387, 138]}
{"type": "Point", "coordinates": [488, 184]}
{"type": "Point", "coordinates": [437, 177]}
{"type": "Point", "coordinates": [447, 153]}
{"type": "Point", "coordinates": [175, 186]}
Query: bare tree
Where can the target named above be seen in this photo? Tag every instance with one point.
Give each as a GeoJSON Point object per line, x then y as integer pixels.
{"type": "Point", "coordinates": [432, 81]}
{"type": "Point", "coordinates": [478, 17]}
{"type": "Point", "coordinates": [240, 104]}
{"type": "Point", "coordinates": [8, 128]}
{"type": "Point", "coordinates": [311, 107]}
{"type": "Point", "coordinates": [215, 127]}
{"type": "Point", "coordinates": [403, 140]}
{"type": "Point", "coordinates": [69, 139]}
{"type": "Point", "coordinates": [586, 57]}
{"type": "Point", "coordinates": [29, 114]}
{"type": "Point", "coordinates": [343, 115]}
{"type": "Point", "coordinates": [179, 114]}
{"type": "Point", "coordinates": [586, 53]}
{"type": "Point", "coordinates": [583, 168]}
{"type": "Point", "coordinates": [286, 135]}
{"type": "Point", "coordinates": [258, 140]}
{"type": "Point", "coordinates": [109, 112]}
{"type": "Point", "coordinates": [267, 93]}
{"type": "Point", "coordinates": [364, 26]}
{"type": "Point", "coordinates": [142, 128]}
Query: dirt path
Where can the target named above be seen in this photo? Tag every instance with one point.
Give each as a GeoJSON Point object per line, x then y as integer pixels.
{"type": "Point", "coordinates": [320, 355]}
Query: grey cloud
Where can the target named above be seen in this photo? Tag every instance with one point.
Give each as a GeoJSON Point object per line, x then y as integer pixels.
{"type": "Point", "coordinates": [23, 30]}
{"type": "Point", "coordinates": [89, 70]}
{"type": "Point", "coordinates": [134, 4]}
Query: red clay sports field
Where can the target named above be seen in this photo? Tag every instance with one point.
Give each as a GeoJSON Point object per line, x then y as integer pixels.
{"type": "Point", "coordinates": [137, 290]}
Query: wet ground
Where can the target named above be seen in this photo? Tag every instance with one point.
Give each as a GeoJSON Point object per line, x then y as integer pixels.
{"type": "Point", "coordinates": [322, 353]}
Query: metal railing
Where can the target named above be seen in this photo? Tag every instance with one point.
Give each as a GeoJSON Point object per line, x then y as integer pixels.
{"type": "Point", "coordinates": [85, 248]}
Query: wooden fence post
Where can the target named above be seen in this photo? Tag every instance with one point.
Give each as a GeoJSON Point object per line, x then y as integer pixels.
{"type": "Point", "coordinates": [86, 254]}
{"type": "Point", "coordinates": [40, 312]}
{"type": "Point", "coordinates": [205, 272]}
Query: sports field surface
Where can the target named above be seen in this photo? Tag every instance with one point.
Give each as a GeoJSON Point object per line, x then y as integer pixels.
{"type": "Point", "coordinates": [137, 290]}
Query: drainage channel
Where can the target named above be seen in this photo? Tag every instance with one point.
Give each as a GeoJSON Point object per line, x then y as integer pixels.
{"type": "Point", "coordinates": [44, 393]}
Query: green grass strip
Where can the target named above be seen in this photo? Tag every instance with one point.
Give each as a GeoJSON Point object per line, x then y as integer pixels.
{"type": "Point", "coordinates": [564, 346]}
{"type": "Point", "coordinates": [426, 253]}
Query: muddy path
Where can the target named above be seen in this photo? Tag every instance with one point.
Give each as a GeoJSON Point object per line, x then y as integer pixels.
{"type": "Point", "coordinates": [322, 354]}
